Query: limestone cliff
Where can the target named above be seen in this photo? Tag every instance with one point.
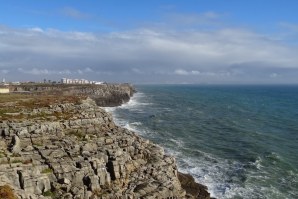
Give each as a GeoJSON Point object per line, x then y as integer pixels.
{"type": "Point", "coordinates": [68, 147]}
{"type": "Point", "coordinates": [103, 94]}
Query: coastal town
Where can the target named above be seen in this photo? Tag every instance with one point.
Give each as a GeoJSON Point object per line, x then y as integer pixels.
{"type": "Point", "coordinates": [4, 86]}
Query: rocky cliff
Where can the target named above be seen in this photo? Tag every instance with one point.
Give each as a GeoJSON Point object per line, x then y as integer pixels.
{"type": "Point", "coordinates": [68, 147]}
{"type": "Point", "coordinates": [103, 94]}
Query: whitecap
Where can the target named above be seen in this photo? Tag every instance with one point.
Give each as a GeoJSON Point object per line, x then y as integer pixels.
{"type": "Point", "coordinates": [179, 143]}
{"type": "Point", "coordinates": [257, 163]}
{"type": "Point", "coordinates": [135, 102]}
{"type": "Point", "coordinates": [136, 123]}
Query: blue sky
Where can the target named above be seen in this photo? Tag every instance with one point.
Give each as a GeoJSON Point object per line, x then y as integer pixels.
{"type": "Point", "coordinates": [118, 15]}
{"type": "Point", "coordinates": [190, 41]}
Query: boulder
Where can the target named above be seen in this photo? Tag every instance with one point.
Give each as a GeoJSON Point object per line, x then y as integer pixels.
{"type": "Point", "coordinates": [193, 189]}
{"type": "Point", "coordinates": [14, 146]}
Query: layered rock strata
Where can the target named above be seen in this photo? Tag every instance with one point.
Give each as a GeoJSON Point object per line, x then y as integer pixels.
{"type": "Point", "coordinates": [77, 151]}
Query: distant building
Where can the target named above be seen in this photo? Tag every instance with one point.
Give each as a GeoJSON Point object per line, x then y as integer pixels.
{"type": "Point", "coordinates": [78, 81]}
{"type": "Point", "coordinates": [4, 89]}
{"type": "Point", "coordinates": [64, 81]}
{"type": "Point", "coordinates": [15, 83]}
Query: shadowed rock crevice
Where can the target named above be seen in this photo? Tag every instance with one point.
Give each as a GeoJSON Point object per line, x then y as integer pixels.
{"type": "Point", "coordinates": [110, 169]}
{"type": "Point", "coordinates": [21, 179]}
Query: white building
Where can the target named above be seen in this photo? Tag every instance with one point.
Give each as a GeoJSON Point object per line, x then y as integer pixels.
{"type": "Point", "coordinates": [4, 89]}
{"type": "Point", "coordinates": [78, 81]}
{"type": "Point", "coordinates": [64, 81]}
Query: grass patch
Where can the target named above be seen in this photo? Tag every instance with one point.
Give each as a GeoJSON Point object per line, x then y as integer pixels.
{"type": "Point", "coordinates": [37, 144]}
{"type": "Point", "coordinates": [16, 161]}
{"type": "Point", "coordinates": [47, 170]}
{"type": "Point", "coordinates": [79, 134]}
{"type": "Point", "coordinates": [10, 97]}
{"type": "Point", "coordinates": [48, 194]}
{"type": "Point", "coordinates": [12, 104]}
{"type": "Point", "coordinates": [15, 155]}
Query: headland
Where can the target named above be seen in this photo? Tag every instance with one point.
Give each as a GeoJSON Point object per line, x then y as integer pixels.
{"type": "Point", "coordinates": [56, 142]}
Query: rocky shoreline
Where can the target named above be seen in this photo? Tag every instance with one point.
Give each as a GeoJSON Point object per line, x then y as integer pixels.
{"type": "Point", "coordinates": [68, 147]}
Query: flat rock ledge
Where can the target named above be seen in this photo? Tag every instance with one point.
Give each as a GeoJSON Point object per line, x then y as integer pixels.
{"type": "Point", "coordinates": [75, 151]}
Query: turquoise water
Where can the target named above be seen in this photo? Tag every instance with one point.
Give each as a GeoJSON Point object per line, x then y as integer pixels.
{"type": "Point", "coordinates": [240, 141]}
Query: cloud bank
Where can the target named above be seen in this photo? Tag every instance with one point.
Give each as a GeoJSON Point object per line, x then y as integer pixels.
{"type": "Point", "coordinates": [147, 55]}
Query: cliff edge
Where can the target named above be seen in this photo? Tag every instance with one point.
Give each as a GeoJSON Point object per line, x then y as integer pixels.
{"type": "Point", "coordinates": [103, 94]}
{"type": "Point", "coordinates": [65, 146]}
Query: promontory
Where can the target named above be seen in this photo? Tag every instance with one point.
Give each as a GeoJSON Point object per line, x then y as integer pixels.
{"type": "Point", "coordinates": [56, 142]}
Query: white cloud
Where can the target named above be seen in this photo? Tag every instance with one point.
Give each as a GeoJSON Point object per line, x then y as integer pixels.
{"type": "Point", "coordinates": [34, 71]}
{"type": "Point", "coordinates": [136, 70]}
{"type": "Point", "coordinates": [195, 72]}
{"type": "Point", "coordinates": [88, 70]}
{"type": "Point", "coordinates": [39, 71]}
{"type": "Point", "coordinates": [4, 71]}
{"type": "Point", "coordinates": [184, 72]}
{"type": "Point", "coordinates": [181, 72]}
{"type": "Point", "coordinates": [218, 55]}
{"type": "Point", "coordinates": [63, 72]}
{"type": "Point", "coordinates": [273, 75]}
{"type": "Point", "coordinates": [36, 29]}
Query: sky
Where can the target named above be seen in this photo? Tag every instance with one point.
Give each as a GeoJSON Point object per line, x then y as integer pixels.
{"type": "Point", "coordinates": [150, 42]}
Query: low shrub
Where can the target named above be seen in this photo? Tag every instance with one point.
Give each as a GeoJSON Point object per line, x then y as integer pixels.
{"type": "Point", "coordinates": [6, 192]}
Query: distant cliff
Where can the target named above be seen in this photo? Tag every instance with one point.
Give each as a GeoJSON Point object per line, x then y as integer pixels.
{"type": "Point", "coordinates": [103, 94]}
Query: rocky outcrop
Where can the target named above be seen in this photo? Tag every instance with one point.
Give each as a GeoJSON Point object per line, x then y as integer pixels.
{"type": "Point", "coordinates": [76, 151]}
{"type": "Point", "coordinates": [193, 189]}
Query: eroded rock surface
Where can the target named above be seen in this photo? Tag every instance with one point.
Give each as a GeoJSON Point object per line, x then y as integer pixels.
{"type": "Point", "coordinates": [76, 151]}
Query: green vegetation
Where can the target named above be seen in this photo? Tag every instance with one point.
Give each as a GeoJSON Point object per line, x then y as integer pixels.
{"type": "Point", "coordinates": [9, 97]}
{"type": "Point", "coordinates": [15, 161]}
{"type": "Point", "coordinates": [38, 143]}
{"type": "Point", "coordinates": [13, 106]}
{"type": "Point", "coordinates": [79, 134]}
{"type": "Point", "coordinates": [15, 155]}
{"type": "Point", "coordinates": [48, 194]}
{"type": "Point", "coordinates": [47, 170]}
{"type": "Point", "coordinates": [1, 155]}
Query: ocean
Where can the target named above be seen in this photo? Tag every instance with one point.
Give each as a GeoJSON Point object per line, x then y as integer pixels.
{"type": "Point", "coordinates": [239, 141]}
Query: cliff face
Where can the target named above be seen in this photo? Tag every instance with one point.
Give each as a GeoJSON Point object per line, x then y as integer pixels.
{"type": "Point", "coordinates": [76, 151]}
{"type": "Point", "coordinates": [103, 94]}
{"type": "Point", "coordinates": [68, 147]}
